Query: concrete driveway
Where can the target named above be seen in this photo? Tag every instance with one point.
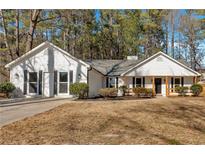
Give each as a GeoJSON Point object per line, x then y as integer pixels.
{"type": "Point", "coordinates": [10, 112]}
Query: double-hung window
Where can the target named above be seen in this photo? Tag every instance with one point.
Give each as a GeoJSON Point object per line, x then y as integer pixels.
{"type": "Point", "coordinates": [33, 82]}
{"type": "Point", "coordinates": [112, 83]}
{"type": "Point", "coordinates": [63, 82]}
{"type": "Point", "coordinates": [138, 82]}
{"type": "Point", "coordinates": [177, 82]}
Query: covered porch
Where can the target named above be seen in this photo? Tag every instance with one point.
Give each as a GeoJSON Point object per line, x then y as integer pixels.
{"type": "Point", "coordinates": [160, 85]}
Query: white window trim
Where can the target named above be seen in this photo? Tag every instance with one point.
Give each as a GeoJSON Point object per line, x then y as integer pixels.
{"type": "Point", "coordinates": [58, 82]}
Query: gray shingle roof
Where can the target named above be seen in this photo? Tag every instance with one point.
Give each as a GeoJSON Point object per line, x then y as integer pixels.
{"type": "Point", "coordinates": [113, 67]}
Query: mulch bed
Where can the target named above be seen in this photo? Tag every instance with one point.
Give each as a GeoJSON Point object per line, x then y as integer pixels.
{"type": "Point", "coordinates": [115, 98]}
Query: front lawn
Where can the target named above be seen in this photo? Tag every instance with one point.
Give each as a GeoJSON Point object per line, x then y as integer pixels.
{"type": "Point", "coordinates": [150, 121]}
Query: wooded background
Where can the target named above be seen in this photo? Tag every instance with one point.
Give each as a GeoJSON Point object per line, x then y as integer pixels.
{"type": "Point", "coordinates": [104, 34]}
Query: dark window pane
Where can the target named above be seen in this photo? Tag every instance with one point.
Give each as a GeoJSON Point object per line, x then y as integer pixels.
{"type": "Point", "coordinates": [63, 77]}
{"type": "Point", "coordinates": [63, 88]}
{"type": "Point", "coordinates": [32, 76]}
{"type": "Point", "coordinates": [177, 81]}
{"type": "Point", "coordinates": [32, 87]}
{"type": "Point", "coordinates": [138, 82]}
{"type": "Point", "coordinates": [112, 82]}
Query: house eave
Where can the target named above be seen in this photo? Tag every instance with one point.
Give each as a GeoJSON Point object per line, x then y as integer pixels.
{"type": "Point", "coordinates": [155, 55]}
{"type": "Point", "coordinates": [44, 44]}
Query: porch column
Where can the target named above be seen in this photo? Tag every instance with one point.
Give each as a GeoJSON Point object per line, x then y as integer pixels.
{"type": "Point", "coordinates": [153, 85]}
{"type": "Point", "coordinates": [167, 86]}
{"type": "Point", "coordinates": [194, 80]}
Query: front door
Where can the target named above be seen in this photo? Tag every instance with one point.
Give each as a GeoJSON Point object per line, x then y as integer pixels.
{"type": "Point", "coordinates": [48, 84]}
{"type": "Point", "coordinates": [158, 85]}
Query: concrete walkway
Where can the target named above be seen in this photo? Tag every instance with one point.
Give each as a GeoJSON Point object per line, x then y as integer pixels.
{"type": "Point", "coordinates": [10, 112]}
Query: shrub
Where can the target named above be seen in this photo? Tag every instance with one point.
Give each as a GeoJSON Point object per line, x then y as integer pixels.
{"type": "Point", "coordinates": [7, 87]}
{"type": "Point", "coordinates": [139, 90]}
{"type": "Point", "coordinates": [196, 89]}
{"type": "Point", "coordinates": [181, 90]}
{"type": "Point", "coordinates": [108, 92]}
{"type": "Point", "coordinates": [150, 92]}
{"type": "Point", "coordinates": [123, 88]}
{"type": "Point", "coordinates": [79, 89]}
{"type": "Point", "coordinates": [143, 92]}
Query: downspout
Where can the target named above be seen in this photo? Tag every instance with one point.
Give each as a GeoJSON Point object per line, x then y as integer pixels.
{"type": "Point", "coordinates": [89, 69]}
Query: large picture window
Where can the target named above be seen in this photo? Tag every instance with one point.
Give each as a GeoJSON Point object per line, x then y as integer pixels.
{"type": "Point", "coordinates": [63, 82]}
{"type": "Point", "coordinates": [33, 81]}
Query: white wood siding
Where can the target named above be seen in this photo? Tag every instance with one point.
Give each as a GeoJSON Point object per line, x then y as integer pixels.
{"type": "Point", "coordinates": [48, 60]}
{"type": "Point", "coordinates": [95, 81]}
{"type": "Point", "coordinates": [160, 66]}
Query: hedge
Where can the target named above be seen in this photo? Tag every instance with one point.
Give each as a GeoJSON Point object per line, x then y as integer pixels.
{"type": "Point", "coordinates": [196, 89]}
{"type": "Point", "coordinates": [108, 92]}
{"type": "Point", "coordinates": [143, 92]}
{"type": "Point", "coordinates": [79, 89]}
{"type": "Point", "coordinates": [6, 88]}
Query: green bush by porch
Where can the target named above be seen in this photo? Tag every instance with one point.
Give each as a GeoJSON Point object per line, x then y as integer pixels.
{"type": "Point", "coordinates": [108, 92]}
{"type": "Point", "coordinates": [79, 89]}
{"type": "Point", "coordinates": [143, 92]}
{"type": "Point", "coordinates": [181, 90]}
{"type": "Point", "coordinates": [196, 89]}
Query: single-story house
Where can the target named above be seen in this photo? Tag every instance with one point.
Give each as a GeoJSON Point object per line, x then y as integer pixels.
{"type": "Point", "coordinates": [48, 70]}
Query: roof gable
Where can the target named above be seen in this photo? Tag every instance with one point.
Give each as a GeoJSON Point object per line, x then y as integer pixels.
{"type": "Point", "coordinates": [164, 66]}
{"type": "Point", "coordinates": [38, 49]}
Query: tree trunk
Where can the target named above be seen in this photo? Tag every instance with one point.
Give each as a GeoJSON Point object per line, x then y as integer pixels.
{"type": "Point", "coordinates": [111, 39]}
{"type": "Point", "coordinates": [17, 33]}
{"type": "Point", "coordinates": [173, 29]}
{"type": "Point", "coordinates": [5, 33]}
{"type": "Point", "coordinates": [33, 23]}
{"type": "Point", "coordinates": [167, 38]}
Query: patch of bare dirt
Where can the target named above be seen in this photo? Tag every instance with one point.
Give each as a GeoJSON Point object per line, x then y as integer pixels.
{"type": "Point", "coordinates": [150, 121]}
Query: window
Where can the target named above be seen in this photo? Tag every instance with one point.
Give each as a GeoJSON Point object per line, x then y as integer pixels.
{"type": "Point", "coordinates": [33, 82]}
{"type": "Point", "coordinates": [177, 82]}
{"type": "Point", "coordinates": [63, 82]}
{"type": "Point", "coordinates": [138, 82]}
{"type": "Point", "coordinates": [112, 82]}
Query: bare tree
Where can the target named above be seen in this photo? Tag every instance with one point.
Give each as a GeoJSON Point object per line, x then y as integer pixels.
{"type": "Point", "coordinates": [34, 15]}
{"type": "Point", "coordinates": [17, 33]}
{"type": "Point", "coordinates": [5, 33]}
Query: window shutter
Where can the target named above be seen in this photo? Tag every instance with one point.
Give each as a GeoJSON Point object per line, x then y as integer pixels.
{"type": "Point", "coordinates": [133, 82]}
{"type": "Point", "coordinates": [143, 81]}
{"type": "Point", "coordinates": [182, 81]}
{"type": "Point", "coordinates": [116, 82]}
{"type": "Point", "coordinates": [71, 76]}
{"type": "Point", "coordinates": [55, 82]}
{"type": "Point", "coordinates": [107, 82]}
{"type": "Point", "coordinates": [172, 83]}
{"type": "Point", "coordinates": [25, 82]}
{"type": "Point", "coordinates": [40, 82]}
